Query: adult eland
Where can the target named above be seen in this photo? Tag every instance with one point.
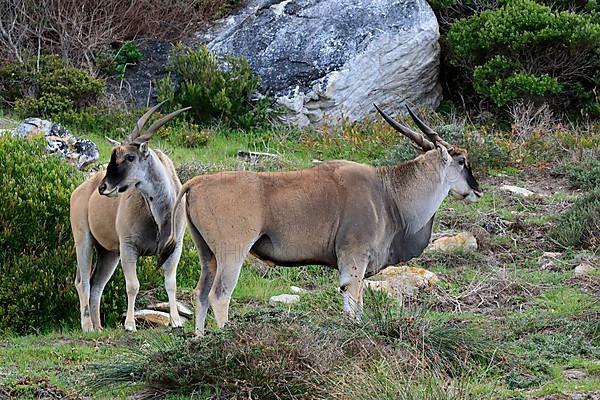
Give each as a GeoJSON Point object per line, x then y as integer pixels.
{"type": "Point", "coordinates": [357, 218]}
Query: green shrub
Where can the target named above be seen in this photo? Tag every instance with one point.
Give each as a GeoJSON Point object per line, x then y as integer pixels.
{"type": "Point", "coordinates": [525, 50]}
{"type": "Point", "coordinates": [114, 62]}
{"type": "Point", "coordinates": [215, 92]}
{"type": "Point", "coordinates": [37, 257]}
{"type": "Point", "coordinates": [37, 253]}
{"type": "Point", "coordinates": [113, 122]}
{"type": "Point", "coordinates": [583, 175]}
{"type": "Point", "coordinates": [49, 90]}
{"type": "Point", "coordinates": [579, 226]}
{"type": "Point", "coordinates": [129, 53]}
{"type": "Point", "coordinates": [186, 134]}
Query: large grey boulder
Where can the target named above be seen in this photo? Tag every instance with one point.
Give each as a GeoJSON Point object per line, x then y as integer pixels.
{"type": "Point", "coordinates": [334, 58]}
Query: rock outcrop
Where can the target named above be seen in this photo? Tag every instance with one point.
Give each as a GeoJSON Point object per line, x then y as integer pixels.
{"type": "Point", "coordinates": [327, 59]}
{"type": "Point", "coordinates": [81, 152]}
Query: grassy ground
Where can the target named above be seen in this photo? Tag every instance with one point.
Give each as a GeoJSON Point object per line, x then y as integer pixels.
{"type": "Point", "coordinates": [502, 323]}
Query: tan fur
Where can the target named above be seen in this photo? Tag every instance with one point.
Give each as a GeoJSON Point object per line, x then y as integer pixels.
{"type": "Point", "coordinates": [346, 215]}
{"type": "Point", "coordinates": [108, 225]}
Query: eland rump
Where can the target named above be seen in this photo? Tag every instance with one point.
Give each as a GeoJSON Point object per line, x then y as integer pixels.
{"type": "Point", "coordinates": [353, 217]}
{"type": "Point", "coordinates": [126, 213]}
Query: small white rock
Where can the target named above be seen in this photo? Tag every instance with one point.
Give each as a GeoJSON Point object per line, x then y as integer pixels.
{"type": "Point", "coordinates": [298, 290]}
{"type": "Point", "coordinates": [574, 374]}
{"type": "Point", "coordinates": [401, 281]}
{"type": "Point", "coordinates": [548, 260]}
{"type": "Point", "coordinates": [285, 299]}
{"type": "Point", "coordinates": [461, 240]}
{"type": "Point", "coordinates": [517, 190]}
{"type": "Point", "coordinates": [584, 268]}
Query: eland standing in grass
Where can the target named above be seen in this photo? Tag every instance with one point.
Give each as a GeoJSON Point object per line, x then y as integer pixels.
{"type": "Point", "coordinates": [126, 213]}
{"type": "Point", "coordinates": [353, 217]}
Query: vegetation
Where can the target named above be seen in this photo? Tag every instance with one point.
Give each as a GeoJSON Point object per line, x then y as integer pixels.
{"type": "Point", "coordinates": [114, 62]}
{"type": "Point", "coordinates": [214, 92]}
{"type": "Point", "coordinates": [305, 356]}
{"type": "Point", "coordinates": [83, 31]}
{"type": "Point", "coordinates": [36, 254]}
{"type": "Point", "coordinates": [579, 226]}
{"type": "Point", "coordinates": [582, 175]}
{"type": "Point", "coordinates": [524, 50]}
{"type": "Point", "coordinates": [45, 87]}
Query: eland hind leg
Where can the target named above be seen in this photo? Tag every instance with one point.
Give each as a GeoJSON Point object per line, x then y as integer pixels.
{"type": "Point", "coordinates": [230, 257]}
{"type": "Point", "coordinates": [207, 277]}
{"type": "Point", "coordinates": [106, 263]}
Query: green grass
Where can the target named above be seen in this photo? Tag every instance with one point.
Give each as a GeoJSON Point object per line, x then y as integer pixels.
{"type": "Point", "coordinates": [62, 357]}
{"type": "Point", "coordinates": [521, 329]}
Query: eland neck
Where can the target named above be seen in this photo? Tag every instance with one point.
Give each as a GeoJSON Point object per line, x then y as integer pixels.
{"type": "Point", "coordinates": [417, 187]}
{"type": "Point", "coordinates": [159, 192]}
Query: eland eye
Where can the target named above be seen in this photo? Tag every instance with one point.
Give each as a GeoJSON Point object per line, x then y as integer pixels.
{"type": "Point", "coordinates": [130, 158]}
{"type": "Point", "coordinates": [461, 162]}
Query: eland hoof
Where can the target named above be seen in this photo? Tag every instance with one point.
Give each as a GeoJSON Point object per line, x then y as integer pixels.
{"type": "Point", "coordinates": [176, 323]}
{"type": "Point", "coordinates": [199, 333]}
{"type": "Point", "coordinates": [130, 327]}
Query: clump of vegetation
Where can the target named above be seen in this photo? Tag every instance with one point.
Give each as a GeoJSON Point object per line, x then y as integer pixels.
{"type": "Point", "coordinates": [186, 134]}
{"type": "Point", "coordinates": [217, 90]}
{"type": "Point", "coordinates": [304, 355]}
{"type": "Point", "coordinates": [114, 62]}
{"type": "Point", "coordinates": [37, 257]}
{"type": "Point", "coordinates": [48, 88]}
{"type": "Point", "coordinates": [525, 50]}
{"type": "Point", "coordinates": [583, 175]}
{"type": "Point", "coordinates": [579, 226]}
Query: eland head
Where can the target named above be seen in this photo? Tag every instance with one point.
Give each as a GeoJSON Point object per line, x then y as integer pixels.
{"type": "Point", "coordinates": [461, 182]}
{"type": "Point", "coordinates": [129, 159]}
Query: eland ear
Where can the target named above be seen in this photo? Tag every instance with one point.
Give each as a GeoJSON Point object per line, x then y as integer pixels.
{"type": "Point", "coordinates": [144, 150]}
{"type": "Point", "coordinates": [115, 143]}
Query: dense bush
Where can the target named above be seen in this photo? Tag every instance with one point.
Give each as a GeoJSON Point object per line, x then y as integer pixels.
{"type": "Point", "coordinates": [217, 90]}
{"type": "Point", "coordinates": [583, 175]}
{"type": "Point", "coordinates": [37, 256]}
{"type": "Point", "coordinates": [524, 50]}
{"type": "Point", "coordinates": [47, 88]}
{"type": "Point", "coordinates": [80, 30]}
{"type": "Point", "coordinates": [579, 226]}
